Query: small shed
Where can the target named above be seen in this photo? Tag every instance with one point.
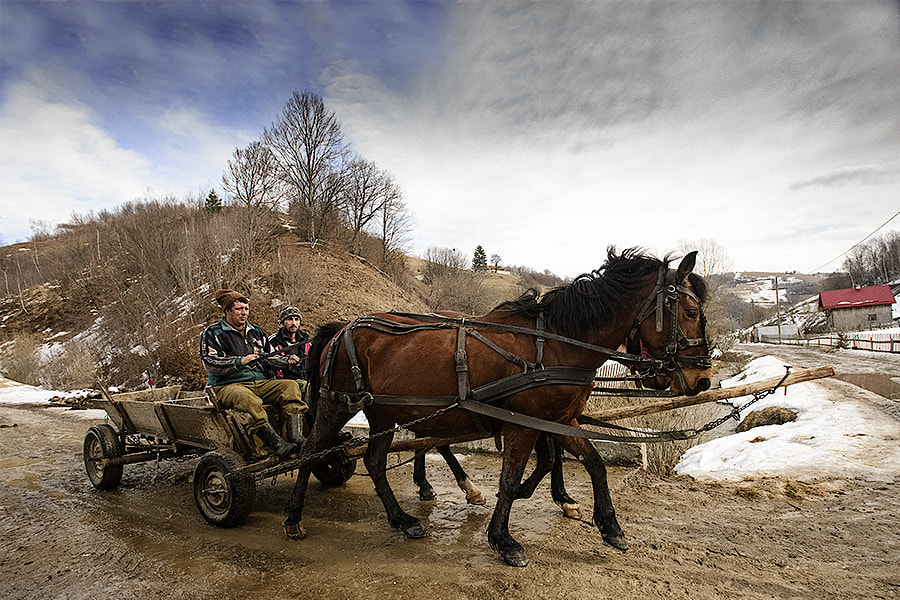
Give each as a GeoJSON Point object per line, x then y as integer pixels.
{"type": "Point", "coordinates": [857, 308]}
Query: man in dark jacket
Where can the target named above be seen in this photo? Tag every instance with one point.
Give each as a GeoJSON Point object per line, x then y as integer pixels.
{"type": "Point", "coordinates": [293, 341]}
{"type": "Point", "coordinates": [230, 351]}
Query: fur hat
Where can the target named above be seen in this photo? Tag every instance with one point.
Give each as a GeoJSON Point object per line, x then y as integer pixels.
{"type": "Point", "coordinates": [226, 298]}
{"type": "Point", "coordinates": [288, 312]}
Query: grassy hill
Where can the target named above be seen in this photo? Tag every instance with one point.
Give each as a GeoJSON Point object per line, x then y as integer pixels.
{"type": "Point", "coordinates": [79, 308]}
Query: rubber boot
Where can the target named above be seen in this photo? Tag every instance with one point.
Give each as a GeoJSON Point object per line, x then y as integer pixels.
{"type": "Point", "coordinates": [294, 426]}
{"type": "Point", "coordinates": [274, 442]}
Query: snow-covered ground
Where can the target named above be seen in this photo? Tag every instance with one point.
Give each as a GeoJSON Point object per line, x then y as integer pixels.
{"type": "Point", "coordinates": [833, 436]}
{"type": "Point", "coordinates": [12, 392]}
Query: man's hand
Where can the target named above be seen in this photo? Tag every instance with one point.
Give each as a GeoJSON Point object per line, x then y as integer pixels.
{"type": "Point", "coordinates": [248, 359]}
{"type": "Point", "coordinates": [293, 359]}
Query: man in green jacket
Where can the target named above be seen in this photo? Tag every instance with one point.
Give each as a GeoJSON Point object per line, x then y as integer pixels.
{"type": "Point", "coordinates": [230, 351]}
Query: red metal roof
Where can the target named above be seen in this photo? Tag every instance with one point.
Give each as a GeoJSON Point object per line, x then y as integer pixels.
{"type": "Point", "coordinates": [856, 297]}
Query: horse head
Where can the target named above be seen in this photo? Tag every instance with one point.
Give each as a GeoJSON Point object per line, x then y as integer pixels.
{"type": "Point", "coordinates": [676, 335]}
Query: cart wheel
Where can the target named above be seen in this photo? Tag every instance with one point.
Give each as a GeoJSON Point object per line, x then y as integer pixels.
{"type": "Point", "coordinates": [335, 469]}
{"type": "Point", "coordinates": [223, 497]}
{"type": "Point", "coordinates": [100, 443]}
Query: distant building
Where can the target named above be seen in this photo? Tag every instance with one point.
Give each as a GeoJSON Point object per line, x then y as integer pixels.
{"type": "Point", "coordinates": [857, 308]}
{"type": "Point", "coordinates": [774, 333]}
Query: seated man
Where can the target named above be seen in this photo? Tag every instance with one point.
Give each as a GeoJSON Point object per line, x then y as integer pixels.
{"type": "Point", "coordinates": [230, 351]}
{"type": "Point", "coordinates": [292, 340]}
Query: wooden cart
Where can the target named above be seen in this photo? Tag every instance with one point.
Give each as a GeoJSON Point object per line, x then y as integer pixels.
{"type": "Point", "coordinates": [164, 423]}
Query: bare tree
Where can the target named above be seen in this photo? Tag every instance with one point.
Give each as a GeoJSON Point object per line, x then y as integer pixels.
{"type": "Point", "coordinates": [714, 264]}
{"type": "Point", "coordinates": [875, 262]}
{"type": "Point", "coordinates": [309, 146]}
{"type": "Point", "coordinates": [451, 285]}
{"type": "Point", "coordinates": [395, 226]}
{"type": "Point", "coordinates": [369, 192]}
{"type": "Point", "coordinates": [363, 196]}
{"type": "Point", "coordinates": [712, 259]}
{"type": "Point", "coordinates": [252, 181]}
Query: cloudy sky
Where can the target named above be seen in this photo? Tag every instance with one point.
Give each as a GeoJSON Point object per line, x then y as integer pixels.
{"type": "Point", "coordinates": [543, 131]}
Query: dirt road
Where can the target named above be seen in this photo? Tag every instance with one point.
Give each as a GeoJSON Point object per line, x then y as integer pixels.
{"type": "Point", "coordinates": [768, 538]}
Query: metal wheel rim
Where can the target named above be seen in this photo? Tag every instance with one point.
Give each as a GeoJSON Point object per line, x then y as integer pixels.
{"type": "Point", "coordinates": [94, 458]}
{"type": "Point", "coordinates": [215, 494]}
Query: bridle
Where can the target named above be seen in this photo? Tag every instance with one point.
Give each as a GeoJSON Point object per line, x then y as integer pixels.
{"type": "Point", "coordinates": [665, 298]}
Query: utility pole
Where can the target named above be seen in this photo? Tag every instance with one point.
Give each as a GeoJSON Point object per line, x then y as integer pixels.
{"type": "Point", "coordinates": [777, 309]}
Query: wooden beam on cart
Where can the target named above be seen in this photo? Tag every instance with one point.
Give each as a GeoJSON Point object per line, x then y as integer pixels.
{"type": "Point", "coordinates": [655, 406]}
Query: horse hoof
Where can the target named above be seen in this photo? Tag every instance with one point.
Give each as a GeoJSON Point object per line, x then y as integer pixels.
{"type": "Point", "coordinates": [515, 557]}
{"type": "Point", "coordinates": [616, 541]}
{"type": "Point", "coordinates": [571, 510]}
{"type": "Point", "coordinates": [414, 531]}
{"type": "Point", "coordinates": [477, 499]}
{"type": "Point", "coordinates": [294, 532]}
{"type": "Point", "coordinates": [426, 495]}
{"type": "Point", "coordinates": [473, 494]}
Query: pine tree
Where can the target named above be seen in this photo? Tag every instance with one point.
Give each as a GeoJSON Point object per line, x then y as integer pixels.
{"type": "Point", "coordinates": [479, 260]}
{"type": "Point", "coordinates": [213, 202]}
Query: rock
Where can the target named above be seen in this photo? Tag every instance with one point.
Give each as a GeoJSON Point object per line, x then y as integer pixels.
{"type": "Point", "coordinates": [772, 415]}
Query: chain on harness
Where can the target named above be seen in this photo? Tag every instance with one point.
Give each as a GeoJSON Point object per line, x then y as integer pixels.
{"type": "Point", "coordinates": [735, 413]}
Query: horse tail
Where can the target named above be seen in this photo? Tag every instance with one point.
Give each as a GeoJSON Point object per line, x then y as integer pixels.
{"type": "Point", "coordinates": [318, 345]}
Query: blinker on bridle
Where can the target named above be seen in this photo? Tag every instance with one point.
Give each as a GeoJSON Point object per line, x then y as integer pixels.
{"type": "Point", "coordinates": [666, 298]}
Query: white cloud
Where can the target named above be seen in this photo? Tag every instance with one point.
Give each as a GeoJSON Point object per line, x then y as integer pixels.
{"type": "Point", "coordinates": [54, 161]}
{"type": "Point", "coordinates": [548, 132]}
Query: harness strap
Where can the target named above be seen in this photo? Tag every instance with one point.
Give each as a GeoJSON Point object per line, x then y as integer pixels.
{"type": "Point", "coordinates": [489, 392]}
{"type": "Point", "coordinates": [508, 416]}
{"type": "Point", "coordinates": [517, 360]}
{"type": "Point", "coordinates": [354, 361]}
{"type": "Point", "coordinates": [621, 357]}
{"type": "Point", "coordinates": [643, 314]}
{"type": "Point", "coordinates": [539, 341]}
{"type": "Point", "coordinates": [462, 366]}
{"type": "Point", "coordinates": [660, 300]}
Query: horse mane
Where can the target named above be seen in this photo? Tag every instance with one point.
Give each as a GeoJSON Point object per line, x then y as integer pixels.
{"type": "Point", "coordinates": [594, 299]}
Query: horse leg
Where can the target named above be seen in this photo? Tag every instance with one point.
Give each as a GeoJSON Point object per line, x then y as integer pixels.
{"type": "Point", "coordinates": [558, 491]}
{"type": "Point", "coordinates": [324, 432]}
{"type": "Point", "coordinates": [376, 463]}
{"type": "Point", "coordinates": [473, 494]}
{"type": "Point", "coordinates": [426, 492]}
{"type": "Point", "coordinates": [517, 447]}
{"type": "Point", "coordinates": [544, 466]}
{"type": "Point", "coordinates": [604, 513]}
{"type": "Point", "coordinates": [550, 460]}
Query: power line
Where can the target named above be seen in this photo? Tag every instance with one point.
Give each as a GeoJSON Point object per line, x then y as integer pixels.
{"type": "Point", "coordinates": [857, 243]}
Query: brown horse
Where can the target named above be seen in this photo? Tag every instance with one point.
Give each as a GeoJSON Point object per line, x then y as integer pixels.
{"type": "Point", "coordinates": [419, 373]}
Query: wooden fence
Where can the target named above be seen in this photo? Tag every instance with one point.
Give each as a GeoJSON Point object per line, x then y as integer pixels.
{"type": "Point", "coordinates": [872, 341]}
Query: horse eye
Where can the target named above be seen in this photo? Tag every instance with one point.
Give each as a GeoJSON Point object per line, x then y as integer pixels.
{"type": "Point", "coordinates": [692, 313]}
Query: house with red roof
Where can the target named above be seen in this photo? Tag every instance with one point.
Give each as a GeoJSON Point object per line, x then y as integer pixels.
{"type": "Point", "coordinates": [857, 308]}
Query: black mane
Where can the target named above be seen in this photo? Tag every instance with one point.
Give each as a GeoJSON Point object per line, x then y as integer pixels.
{"type": "Point", "coordinates": [593, 299]}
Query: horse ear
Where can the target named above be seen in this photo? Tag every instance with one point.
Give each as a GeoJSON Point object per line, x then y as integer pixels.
{"type": "Point", "coordinates": [687, 265]}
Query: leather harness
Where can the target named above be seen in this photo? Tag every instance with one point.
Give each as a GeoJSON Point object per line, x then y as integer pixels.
{"type": "Point", "coordinates": [534, 374]}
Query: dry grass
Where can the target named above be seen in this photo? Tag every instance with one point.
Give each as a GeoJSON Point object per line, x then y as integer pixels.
{"type": "Point", "coordinates": [661, 456]}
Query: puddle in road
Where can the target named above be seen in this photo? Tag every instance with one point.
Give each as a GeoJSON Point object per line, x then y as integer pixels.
{"type": "Point", "coordinates": [885, 385]}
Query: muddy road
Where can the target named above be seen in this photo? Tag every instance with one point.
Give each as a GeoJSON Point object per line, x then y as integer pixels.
{"type": "Point", "coordinates": [762, 538]}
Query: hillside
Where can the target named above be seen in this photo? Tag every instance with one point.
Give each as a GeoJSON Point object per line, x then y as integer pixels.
{"type": "Point", "coordinates": [79, 321]}
{"type": "Point", "coordinates": [51, 334]}
{"type": "Point", "coordinates": [759, 287]}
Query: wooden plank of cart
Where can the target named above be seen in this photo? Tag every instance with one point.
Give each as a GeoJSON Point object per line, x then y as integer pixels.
{"type": "Point", "coordinates": [163, 423]}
